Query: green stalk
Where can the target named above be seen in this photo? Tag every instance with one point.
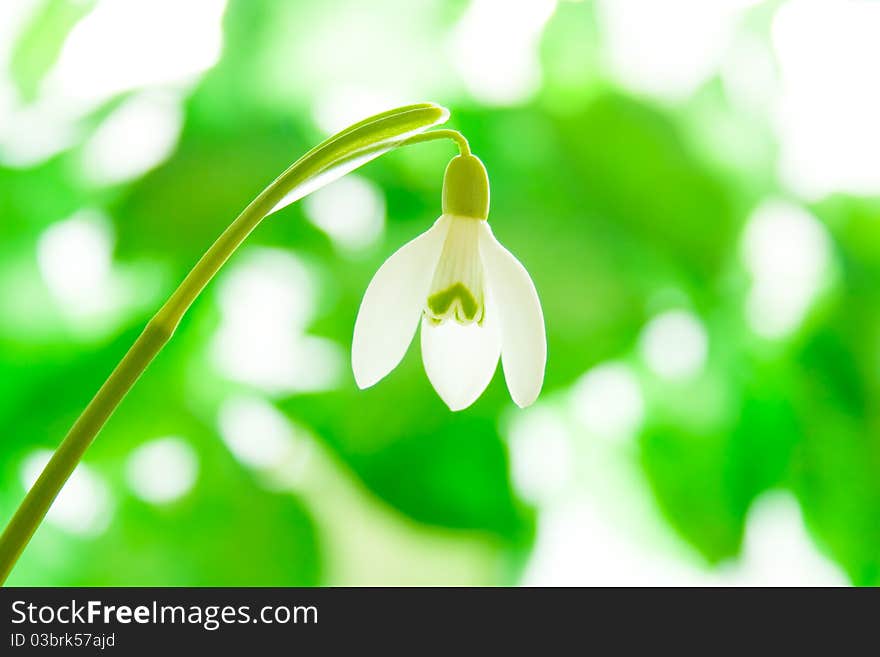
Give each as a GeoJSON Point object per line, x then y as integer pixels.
{"type": "Point", "coordinates": [328, 161]}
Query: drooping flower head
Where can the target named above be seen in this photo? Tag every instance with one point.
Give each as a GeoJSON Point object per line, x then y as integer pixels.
{"type": "Point", "coordinates": [475, 300]}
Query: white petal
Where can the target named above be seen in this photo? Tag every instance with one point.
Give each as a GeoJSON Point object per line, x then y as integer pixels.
{"type": "Point", "coordinates": [392, 305]}
{"type": "Point", "coordinates": [461, 359]}
{"type": "Point", "coordinates": [523, 340]}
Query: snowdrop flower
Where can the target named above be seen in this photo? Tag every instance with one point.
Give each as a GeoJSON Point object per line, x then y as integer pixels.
{"type": "Point", "coordinates": [475, 300]}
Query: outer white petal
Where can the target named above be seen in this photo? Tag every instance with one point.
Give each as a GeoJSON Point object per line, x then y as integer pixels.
{"type": "Point", "coordinates": [523, 340]}
{"type": "Point", "coordinates": [460, 360]}
{"type": "Point", "coordinates": [392, 304]}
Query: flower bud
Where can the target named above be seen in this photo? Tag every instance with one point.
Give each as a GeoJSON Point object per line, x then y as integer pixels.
{"type": "Point", "coordinates": [466, 188]}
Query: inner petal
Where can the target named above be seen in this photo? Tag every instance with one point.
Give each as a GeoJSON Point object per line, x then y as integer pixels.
{"type": "Point", "coordinates": [458, 289]}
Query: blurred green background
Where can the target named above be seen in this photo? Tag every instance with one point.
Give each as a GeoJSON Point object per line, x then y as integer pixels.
{"type": "Point", "coordinates": [692, 185]}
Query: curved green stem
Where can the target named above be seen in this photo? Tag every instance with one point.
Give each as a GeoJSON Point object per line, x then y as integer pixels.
{"type": "Point", "coordinates": [463, 146]}
{"type": "Point", "coordinates": [328, 161]}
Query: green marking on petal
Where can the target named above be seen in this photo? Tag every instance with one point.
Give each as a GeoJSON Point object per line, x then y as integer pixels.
{"type": "Point", "coordinates": [467, 309]}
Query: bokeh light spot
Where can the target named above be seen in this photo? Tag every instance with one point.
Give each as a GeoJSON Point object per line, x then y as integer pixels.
{"type": "Point", "coordinates": [126, 44]}
{"type": "Point", "coordinates": [162, 470]}
{"type": "Point", "coordinates": [259, 435]}
{"type": "Point", "coordinates": [83, 506]}
{"type": "Point", "coordinates": [608, 401]}
{"type": "Point", "coordinates": [75, 259]}
{"type": "Point", "coordinates": [827, 114]}
{"type": "Point", "coordinates": [541, 452]}
{"type": "Point", "coordinates": [778, 549]}
{"type": "Point", "coordinates": [266, 299]}
{"type": "Point", "coordinates": [666, 49]}
{"type": "Point", "coordinates": [787, 252]}
{"type": "Point", "coordinates": [495, 48]}
{"type": "Point", "coordinates": [138, 135]}
{"type": "Point", "coordinates": [674, 345]}
{"type": "Point", "coordinates": [351, 211]}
